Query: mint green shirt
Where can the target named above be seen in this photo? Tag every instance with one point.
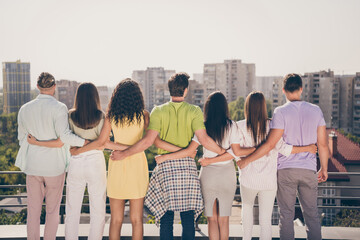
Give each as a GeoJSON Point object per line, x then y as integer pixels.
{"type": "Point", "coordinates": [176, 123]}
{"type": "Point", "coordinates": [46, 119]}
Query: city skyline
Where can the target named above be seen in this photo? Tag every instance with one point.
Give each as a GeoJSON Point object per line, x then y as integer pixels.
{"type": "Point", "coordinates": [104, 42]}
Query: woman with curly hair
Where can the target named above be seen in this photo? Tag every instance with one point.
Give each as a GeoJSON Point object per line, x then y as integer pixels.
{"type": "Point", "coordinates": [86, 120]}
{"type": "Point", "coordinates": [127, 179]}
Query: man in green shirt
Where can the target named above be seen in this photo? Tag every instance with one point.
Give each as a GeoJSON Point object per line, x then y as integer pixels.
{"type": "Point", "coordinates": [174, 185]}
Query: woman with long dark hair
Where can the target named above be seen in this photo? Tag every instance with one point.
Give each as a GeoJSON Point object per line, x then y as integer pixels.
{"type": "Point", "coordinates": [127, 179]}
{"type": "Point", "coordinates": [86, 119]}
{"type": "Point", "coordinates": [259, 177]}
{"type": "Point", "coordinates": [217, 175]}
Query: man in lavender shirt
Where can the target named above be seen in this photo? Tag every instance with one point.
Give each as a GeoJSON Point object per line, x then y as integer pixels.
{"type": "Point", "coordinates": [299, 123]}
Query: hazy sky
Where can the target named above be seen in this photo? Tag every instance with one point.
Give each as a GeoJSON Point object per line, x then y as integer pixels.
{"type": "Point", "coordinates": [104, 41]}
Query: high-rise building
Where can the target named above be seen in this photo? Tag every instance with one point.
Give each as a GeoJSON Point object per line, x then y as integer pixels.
{"type": "Point", "coordinates": [198, 77]}
{"type": "Point", "coordinates": [356, 105]}
{"type": "Point", "coordinates": [152, 82]}
{"type": "Point", "coordinates": [233, 78]}
{"type": "Point", "coordinates": [323, 89]}
{"type": "Point", "coordinates": [65, 92]}
{"type": "Point", "coordinates": [277, 96]}
{"type": "Point", "coordinates": [346, 103]}
{"type": "Point", "coordinates": [265, 85]}
{"type": "Point", "coordinates": [104, 95]}
{"type": "Point", "coordinates": [195, 94]}
{"type": "Point", "coordinates": [16, 85]}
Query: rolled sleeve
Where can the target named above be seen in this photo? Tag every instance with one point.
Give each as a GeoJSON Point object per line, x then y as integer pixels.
{"type": "Point", "coordinates": [63, 131]}
{"type": "Point", "coordinates": [195, 139]}
{"type": "Point", "coordinates": [283, 148]}
{"type": "Point", "coordinates": [22, 133]}
{"type": "Point", "coordinates": [230, 151]}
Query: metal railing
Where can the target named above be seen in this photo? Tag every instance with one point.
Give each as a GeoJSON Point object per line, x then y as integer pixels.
{"type": "Point", "coordinates": [22, 188]}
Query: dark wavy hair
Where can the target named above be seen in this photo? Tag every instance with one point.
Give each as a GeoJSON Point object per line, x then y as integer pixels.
{"type": "Point", "coordinates": [86, 112]}
{"type": "Point", "coordinates": [127, 103]}
{"type": "Point", "coordinates": [177, 84]}
{"type": "Point", "coordinates": [292, 82]}
{"type": "Point", "coordinates": [216, 116]}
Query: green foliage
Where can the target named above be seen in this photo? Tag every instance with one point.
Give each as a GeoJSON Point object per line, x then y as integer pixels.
{"type": "Point", "coordinates": [150, 153]}
{"type": "Point", "coordinates": [12, 219]}
{"type": "Point", "coordinates": [8, 150]}
{"type": "Point", "coordinates": [151, 219]}
{"type": "Point", "coordinates": [350, 136]}
{"type": "Point", "coordinates": [348, 218]}
{"type": "Point", "coordinates": [236, 109]}
{"type": "Point", "coordinates": [202, 219]}
{"type": "Point", "coordinates": [269, 108]}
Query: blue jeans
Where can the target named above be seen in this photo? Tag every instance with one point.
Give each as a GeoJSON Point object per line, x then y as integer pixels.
{"type": "Point", "coordinates": [187, 222]}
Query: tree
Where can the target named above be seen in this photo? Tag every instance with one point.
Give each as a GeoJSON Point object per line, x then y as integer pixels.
{"type": "Point", "coordinates": [236, 109]}
{"type": "Point", "coordinates": [348, 218]}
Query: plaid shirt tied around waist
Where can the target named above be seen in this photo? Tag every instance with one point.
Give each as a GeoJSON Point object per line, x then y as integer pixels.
{"type": "Point", "coordinates": [174, 186]}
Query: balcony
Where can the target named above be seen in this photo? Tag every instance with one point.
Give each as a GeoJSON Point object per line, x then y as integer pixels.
{"type": "Point", "coordinates": [12, 202]}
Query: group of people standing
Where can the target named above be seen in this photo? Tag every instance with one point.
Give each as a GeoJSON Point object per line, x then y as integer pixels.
{"type": "Point", "coordinates": [275, 157]}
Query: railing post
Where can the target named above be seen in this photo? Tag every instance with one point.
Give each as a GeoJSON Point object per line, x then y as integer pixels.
{"type": "Point", "coordinates": [62, 212]}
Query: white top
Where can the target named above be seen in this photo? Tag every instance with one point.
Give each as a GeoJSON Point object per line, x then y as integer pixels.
{"type": "Point", "coordinates": [226, 144]}
{"type": "Point", "coordinates": [261, 173]}
{"type": "Point", "coordinates": [46, 119]}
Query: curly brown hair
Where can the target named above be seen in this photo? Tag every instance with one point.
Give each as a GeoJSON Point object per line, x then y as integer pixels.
{"type": "Point", "coordinates": [127, 103]}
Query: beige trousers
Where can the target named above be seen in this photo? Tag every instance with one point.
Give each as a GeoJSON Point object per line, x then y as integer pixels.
{"type": "Point", "coordinates": [37, 188]}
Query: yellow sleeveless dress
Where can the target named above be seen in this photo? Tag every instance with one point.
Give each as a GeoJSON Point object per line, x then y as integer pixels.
{"type": "Point", "coordinates": [128, 178]}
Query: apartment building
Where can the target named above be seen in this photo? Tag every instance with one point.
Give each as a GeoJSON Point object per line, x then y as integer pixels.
{"type": "Point", "coordinates": [65, 92]}
{"type": "Point", "coordinates": [323, 89]}
{"type": "Point", "coordinates": [16, 85]}
{"type": "Point", "coordinates": [104, 95]}
{"type": "Point", "coordinates": [152, 82]}
{"type": "Point", "coordinates": [196, 94]}
{"type": "Point", "coordinates": [232, 77]}
{"type": "Point", "coordinates": [356, 105]}
{"type": "Point", "coordinates": [277, 96]}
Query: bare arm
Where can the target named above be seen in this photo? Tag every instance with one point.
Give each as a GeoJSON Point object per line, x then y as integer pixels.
{"type": "Point", "coordinates": [186, 152]}
{"type": "Point", "coordinates": [207, 142]}
{"type": "Point", "coordinates": [241, 151]}
{"type": "Point", "coordinates": [50, 144]}
{"type": "Point", "coordinates": [165, 145]}
{"type": "Point", "coordinates": [98, 143]}
{"type": "Point", "coordinates": [273, 137]}
{"type": "Point", "coordinates": [115, 146]}
{"type": "Point", "coordinates": [63, 131]}
{"type": "Point", "coordinates": [322, 142]}
{"type": "Point", "coordinates": [220, 158]}
{"type": "Point", "coordinates": [309, 148]}
{"type": "Point", "coordinates": [140, 146]}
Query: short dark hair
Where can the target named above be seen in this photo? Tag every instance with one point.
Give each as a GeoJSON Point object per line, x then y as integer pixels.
{"type": "Point", "coordinates": [46, 80]}
{"type": "Point", "coordinates": [178, 83]}
{"type": "Point", "coordinates": [292, 82]}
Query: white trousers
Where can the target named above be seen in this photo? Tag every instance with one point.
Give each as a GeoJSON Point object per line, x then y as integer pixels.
{"type": "Point", "coordinates": [266, 200]}
{"type": "Point", "coordinates": [86, 169]}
